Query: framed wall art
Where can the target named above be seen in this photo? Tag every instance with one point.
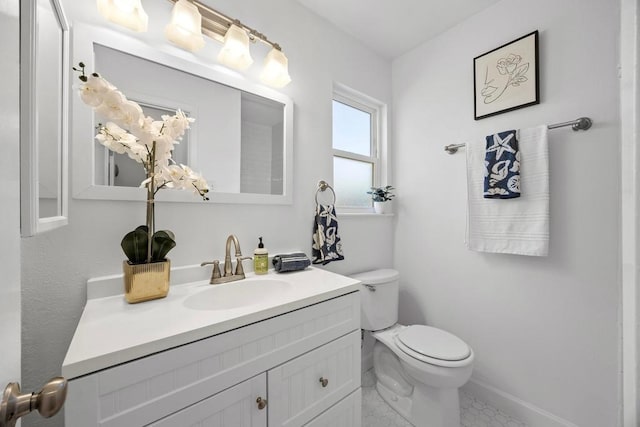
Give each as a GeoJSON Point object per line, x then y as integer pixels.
{"type": "Point", "coordinates": [507, 77]}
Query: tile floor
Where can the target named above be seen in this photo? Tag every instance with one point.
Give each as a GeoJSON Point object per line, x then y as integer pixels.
{"type": "Point", "coordinates": [473, 412]}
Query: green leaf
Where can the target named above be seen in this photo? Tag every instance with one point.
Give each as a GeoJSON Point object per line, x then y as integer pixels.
{"type": "Point", "coordinates": [381, 194]}
{"type": "Point", "coordinates": [134, 245]}
{"type": "Point", "coordinates": [161, 243]}
{"type": "Point", "coordinates": [143, 228]}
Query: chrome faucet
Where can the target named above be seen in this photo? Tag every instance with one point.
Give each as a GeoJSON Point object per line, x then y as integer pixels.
{"type": "Point", "coordinates": [229, 275]}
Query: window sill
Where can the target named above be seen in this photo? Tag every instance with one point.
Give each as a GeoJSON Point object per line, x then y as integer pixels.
{"type": "Point", "coordinates": [347, 214]}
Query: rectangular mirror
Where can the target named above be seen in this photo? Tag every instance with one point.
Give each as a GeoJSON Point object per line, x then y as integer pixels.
{"type": "Point", "coordinates": [44, 116]}
{"type": "Point", "coordinates": [241, 140]}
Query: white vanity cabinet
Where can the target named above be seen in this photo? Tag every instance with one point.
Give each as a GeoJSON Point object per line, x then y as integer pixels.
{"type": "Point", "coordinates": [233, 407]}
{"type": "Point", "coordinates": [304, 364]}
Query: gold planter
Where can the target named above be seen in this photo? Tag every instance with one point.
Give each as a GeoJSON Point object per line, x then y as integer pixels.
{"type": "Point", "coordinates": [144, 282]}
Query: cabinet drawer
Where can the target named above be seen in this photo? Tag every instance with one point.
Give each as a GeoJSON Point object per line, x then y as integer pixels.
{"type": "Point", "coordinates": [234, 407]}
{"type": "Point", "coordinates": [144, 390]}
{"type": "Point", "coordinates": [296, 391]}
{"type": "Point", "coordinates": [346, 413]}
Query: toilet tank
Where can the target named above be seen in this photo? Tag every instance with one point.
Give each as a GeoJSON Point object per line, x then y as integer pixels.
{"type": "Point", "coordinates": [379, 298]}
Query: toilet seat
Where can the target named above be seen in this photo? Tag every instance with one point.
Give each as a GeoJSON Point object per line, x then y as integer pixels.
{"type": "Point", "coordinates": [433, 346]}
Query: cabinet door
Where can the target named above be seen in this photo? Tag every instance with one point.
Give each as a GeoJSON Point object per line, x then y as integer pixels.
{"type": "Point", "coordinates": [234, 407]}
{"type": "Point", "coordinates": [304, 387]}
{"type": "Point", "coordinates": [346, 413]}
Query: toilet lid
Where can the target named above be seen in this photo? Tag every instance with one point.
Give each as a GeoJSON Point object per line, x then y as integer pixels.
{"type": "Point", "coordinates": [377, 277]}
{"type": "Point", "coordinates": [434, 342]}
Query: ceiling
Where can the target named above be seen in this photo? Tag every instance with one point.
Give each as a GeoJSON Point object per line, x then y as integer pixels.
{"type": "Point", "coordinates": [392, 28]}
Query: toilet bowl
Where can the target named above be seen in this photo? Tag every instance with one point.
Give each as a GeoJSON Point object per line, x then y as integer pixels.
{"type": "Point", "coordinates": [418, 368]}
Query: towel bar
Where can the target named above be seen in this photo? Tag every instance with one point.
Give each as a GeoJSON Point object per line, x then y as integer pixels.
{"type": "Point", "coordinates": [582, 123]}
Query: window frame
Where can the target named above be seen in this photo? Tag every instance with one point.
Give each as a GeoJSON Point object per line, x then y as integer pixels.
{"type": "Point", "coordinates": [376, 111]}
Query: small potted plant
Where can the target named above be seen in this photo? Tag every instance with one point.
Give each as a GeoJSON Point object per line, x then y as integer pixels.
{"type": "Point", "coordinates": [381, 196]}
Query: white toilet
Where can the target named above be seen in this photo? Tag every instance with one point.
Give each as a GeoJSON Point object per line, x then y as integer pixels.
{"type": "Point", "coordinates": [418, 368]}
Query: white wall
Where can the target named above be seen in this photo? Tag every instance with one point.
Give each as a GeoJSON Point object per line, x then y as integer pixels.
{"type": "Point", "coordinates": [56, 265]}
{"type": "Point", "coordinates": [545, 330]}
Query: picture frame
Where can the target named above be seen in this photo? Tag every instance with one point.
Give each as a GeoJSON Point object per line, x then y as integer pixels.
{"type": "Point", "coordinates": [507, 78]}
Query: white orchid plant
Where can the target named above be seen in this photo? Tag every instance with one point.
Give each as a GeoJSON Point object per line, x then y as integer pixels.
{"type": "Point", "coordinates": [149, 142]}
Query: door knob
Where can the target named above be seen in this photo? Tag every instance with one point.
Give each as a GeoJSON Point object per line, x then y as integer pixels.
{"type": "Point", "coordinates": [47, 401]}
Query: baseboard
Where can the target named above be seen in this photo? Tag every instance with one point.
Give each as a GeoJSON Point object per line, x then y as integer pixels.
{"type": "Point", "coordinates": [513, 406]}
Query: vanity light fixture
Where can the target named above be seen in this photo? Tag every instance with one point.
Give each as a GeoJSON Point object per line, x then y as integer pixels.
{"type": "Point", "coordinates": [236, 37]}
{"type": "Point", "coordinates": [185, 28]}
{"type": "Point", "coordinates": [275, 71]}
{"type": "Point", "coordinates": [128, 13]}
{"type": "Point", "coordinates": [190, 19]}
{"type": "Point", "coordinates": [235, 53]}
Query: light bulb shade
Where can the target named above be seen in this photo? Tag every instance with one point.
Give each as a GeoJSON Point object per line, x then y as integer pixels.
{"type": "Point", "coordinates": [128, 13]}
{"type": "Point", "coordinates": [185, 28]}
{"type": "Point", "coordinates": [275, 72]}
{"type": "Point", "coordinates": [235, 52]}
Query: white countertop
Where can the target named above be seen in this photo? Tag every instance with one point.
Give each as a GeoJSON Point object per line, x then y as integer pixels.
{"type": "Point", "coordinates": [111, 331]}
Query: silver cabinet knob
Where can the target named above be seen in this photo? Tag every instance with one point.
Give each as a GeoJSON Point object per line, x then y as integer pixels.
{"type": "Point", "coordinates": [324, 381]}
{"type": "Point", "coordinates": [47, 401]}
{"type": "Point", "coordinates": [262, 403]}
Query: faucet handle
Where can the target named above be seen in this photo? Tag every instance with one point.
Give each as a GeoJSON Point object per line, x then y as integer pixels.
{"type": "Point", "coordinates": [239, 269]}
{"type": "Point", "coordinates": [215, 273]}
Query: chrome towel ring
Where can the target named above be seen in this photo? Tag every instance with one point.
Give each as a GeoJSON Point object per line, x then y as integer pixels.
{"type": "Point", "coordinates": [322, 186]}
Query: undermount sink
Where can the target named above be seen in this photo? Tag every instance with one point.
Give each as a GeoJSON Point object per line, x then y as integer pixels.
{"type": "Point", "coordinates": [242, 293]}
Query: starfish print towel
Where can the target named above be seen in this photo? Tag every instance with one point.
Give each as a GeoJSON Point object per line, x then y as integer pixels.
{"type": "Point", "coordinates": [502, 166]}
{"type": "Point", "coordinates": [326, 245]}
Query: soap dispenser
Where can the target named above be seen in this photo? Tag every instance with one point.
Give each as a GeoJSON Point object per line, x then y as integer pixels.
{"type": "Point", "coordinates": [260, 259]}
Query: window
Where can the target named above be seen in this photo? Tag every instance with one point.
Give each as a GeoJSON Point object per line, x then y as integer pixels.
{"type": "Point", "coordinates": [356, 162]}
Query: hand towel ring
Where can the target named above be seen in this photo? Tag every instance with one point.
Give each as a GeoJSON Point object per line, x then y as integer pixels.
{"type": "Point", "coordinates": [322, 186]}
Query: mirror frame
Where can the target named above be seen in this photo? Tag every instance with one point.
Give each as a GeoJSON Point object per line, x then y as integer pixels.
{"type": "Point", "coordinates": [84, 37]}
{"type": "Point", "coordinates": [31, 223]}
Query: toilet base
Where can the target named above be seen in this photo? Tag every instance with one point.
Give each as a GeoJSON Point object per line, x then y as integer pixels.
{"type": "Point", "coordinates": [400, 404]}
{"type": "Point", "coordinates": [435, 407]}
{"type": "Point", "coordinates": [426, 407]}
